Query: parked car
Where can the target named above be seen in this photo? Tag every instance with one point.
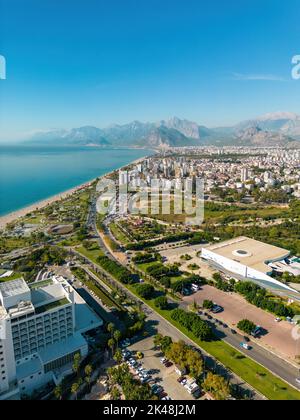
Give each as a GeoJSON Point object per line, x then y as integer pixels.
{"type": "Point", "coordinates": [168, 364]}
{"type": "Point", "coordinates": [163, 360]}
{"type": "Point", "coordinates": [158, 390]}
{"type": "Point", "coordinates": [140, 355]}
{"type": "Point", "coordinates": [217, 309]}
{"type": "Point", "coordinates": [257, 331]}
{"type": "Point", "coordinates": [184, 382]}
{"type": "Point", "coordinates": [298, 381]}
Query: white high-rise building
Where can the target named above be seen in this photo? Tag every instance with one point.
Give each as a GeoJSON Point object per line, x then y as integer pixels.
{"type": "Point", "coordinates": [244, 174]}
{"type": "Point", "coordinates": [123, 178]}
{"type": "Point", "coordinates": [40, 332]}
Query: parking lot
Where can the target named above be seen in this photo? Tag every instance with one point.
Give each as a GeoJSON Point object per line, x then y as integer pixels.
{"type": "Point", "coordinates": [279, 335]}
{"type": "Point", "coordinates": [165, 377]}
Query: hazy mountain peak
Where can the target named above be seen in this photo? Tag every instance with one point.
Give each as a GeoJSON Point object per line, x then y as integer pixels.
{"type": "Point", "coordinates": [279, 128]}
{"type": "Point", "coordinates": [189, 129]}
{"type": "Point", "coordinates": [273, 116]}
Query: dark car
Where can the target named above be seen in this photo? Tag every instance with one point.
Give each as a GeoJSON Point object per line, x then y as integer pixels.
{"type": "Point", "coordinates": [168, 364]}
{"type": "Point", "coordinates": [158, 390]}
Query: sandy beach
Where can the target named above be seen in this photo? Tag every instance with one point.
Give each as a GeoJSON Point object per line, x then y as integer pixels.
{"type": "Point", "coordinates": [11, 217]}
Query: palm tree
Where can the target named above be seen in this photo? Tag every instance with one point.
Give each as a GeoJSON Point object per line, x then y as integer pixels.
{"type": "Point", "coordinates": [76, 363]}
{"type": "Point", "coordinates": [58, 392]}
{"type": "Point", "coordinates": [75, 389]}
{"type": "Point", "coordinates": [110, 328]}
{"type": "Point", "coordinates": [117, 335]}
{"type": "Point", "coordinates": [118, 356]}
{"type": "Point", "coordinates": [111, 344]}
{"type": "Point", "coordinates": [88, 371]}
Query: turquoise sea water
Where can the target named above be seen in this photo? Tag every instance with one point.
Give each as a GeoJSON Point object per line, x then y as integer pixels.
{"type": "Point", "coordinates": [31, 174]}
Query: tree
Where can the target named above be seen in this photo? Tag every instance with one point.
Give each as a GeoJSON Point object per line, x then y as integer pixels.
{"type": "Point", "coordinates": [111, 344]}
{"type": "Point", "coordinates": [76, 363]}
{"type": "Point", "coordinates": [157, 340]}
{"type": "Point", "coordinates": [88, 371]}
{"type": "Point", "coordinates": [194, 363]}
{"type": "Point", "coordinates": [118, 356]}
{"type": "Point", "coordinates": [75, 389]}
{"type": "Point", "coordinates": [115, 394]}
{"type": "Point", "coordinates": [192, 323]}
{"type": "Point", "coordinates": [161, 302]}
{"type": "Point", "coordinates": [58, 392]}
{"type": "Point", "coordinates": [217, 386]}
{"type": "Point", "coordinates": [208, 304]}
{"type": "Point", "coordinates": [111, 328]}
{"type": "Point", "coordinates": [246, 326]}
{"type": "Point", "coordinates": [145, 290]}
{"type": "Point", "coordinates": [166, 343]}
{"type": "Point", "coordinates": [117, 335]}
{"type": "Point", "coordinates": [185, 357]}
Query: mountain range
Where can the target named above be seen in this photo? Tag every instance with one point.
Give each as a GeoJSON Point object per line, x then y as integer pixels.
{"type": "Point", "coordinates": [275, 129]}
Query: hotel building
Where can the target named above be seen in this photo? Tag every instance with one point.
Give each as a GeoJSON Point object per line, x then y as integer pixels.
{"type": "Point", "coordinates": [41, 329]}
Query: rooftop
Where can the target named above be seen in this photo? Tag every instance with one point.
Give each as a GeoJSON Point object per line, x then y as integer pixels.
{"type": "Point", "coordinates": [14, 288]}
{"type": "Point", "coordinates": [52, 305]}
{"type": "Point", "coordinates": [249, 252]}
{"type": "Point", "coordinates": [44, 294]}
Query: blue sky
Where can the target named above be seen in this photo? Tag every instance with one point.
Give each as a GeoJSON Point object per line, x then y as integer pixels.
{"type": "Point", "coordinates": [94, 62]}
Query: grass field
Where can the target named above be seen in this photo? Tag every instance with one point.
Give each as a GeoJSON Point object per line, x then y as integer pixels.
{"type": "Point", "coordinates": [92, 254]}
{"type": "Point", "coordinates": [118, 234]}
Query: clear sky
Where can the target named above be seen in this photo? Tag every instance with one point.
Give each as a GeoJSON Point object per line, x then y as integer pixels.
{"type": "Point", "coordinates": [97, 62]}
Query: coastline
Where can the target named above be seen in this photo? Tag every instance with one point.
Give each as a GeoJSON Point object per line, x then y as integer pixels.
{"type": "Point", "coordinates": [18, 214]}
{"type": "Point", "coordinates": [11, 217]}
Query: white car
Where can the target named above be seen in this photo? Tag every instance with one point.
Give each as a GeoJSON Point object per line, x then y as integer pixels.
{"type": "Point", "coordinates": [278, 320]}
{"type": "Point", "coordinates": [298, 381]}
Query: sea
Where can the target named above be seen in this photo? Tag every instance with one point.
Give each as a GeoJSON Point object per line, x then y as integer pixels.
{"type": "Point", "coordinates": [29, 174]}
